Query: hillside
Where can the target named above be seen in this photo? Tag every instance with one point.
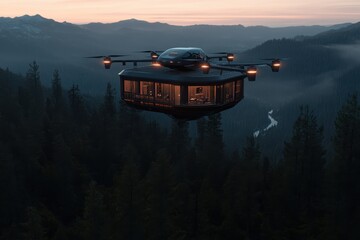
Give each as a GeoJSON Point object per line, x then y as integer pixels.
{"type": "Point", "coordinates": [321, 71]}
{"type": "Point", "coordinates": [63, 45]}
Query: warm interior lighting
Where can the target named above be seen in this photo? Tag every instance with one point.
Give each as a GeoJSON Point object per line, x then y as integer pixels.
{"type": "Point", "coordinates": [154, 56]}
{"type": "Point", "coordinates": [205, 66]}
{"type": "Point", "coordinates": [277, 64]}
{"type": "Point", "coordinates": [107, 61]}
{"type": "Point", "coordinates": [230, 57]}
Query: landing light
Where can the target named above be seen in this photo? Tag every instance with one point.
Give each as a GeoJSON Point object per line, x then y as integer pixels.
{"type": "Point", "coordinates": [230, 57]}
{"type": "Point", "coordinates": [156, 64]}
{"type": "Point", "coordinates": [277, 64]}
{"type": "Point", "coordinates": [252, 71]}
{"type": "Point", "coordinates": [205, 66]}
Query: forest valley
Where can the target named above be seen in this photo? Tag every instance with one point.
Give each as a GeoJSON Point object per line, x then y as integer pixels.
{"type": "Point", "coordinates": [73, 168]}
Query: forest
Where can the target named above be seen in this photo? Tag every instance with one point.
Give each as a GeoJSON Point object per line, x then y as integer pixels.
{"type": "Point", "coordinates": [76, 167]}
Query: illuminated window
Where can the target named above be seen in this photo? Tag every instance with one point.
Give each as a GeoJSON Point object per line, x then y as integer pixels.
{"type": "Point", "coordinates": [228, 92]}
{"type": "Point", "coordinates": [129, 86]}
{"type": "Point", "coordinates": [238, 89]}
{"type": "Point", "coordinates": [163, 94]}
{"type": "Point", "coordinates": [147, 88]}
{"type": "Point", "coordinates": [201, 95]}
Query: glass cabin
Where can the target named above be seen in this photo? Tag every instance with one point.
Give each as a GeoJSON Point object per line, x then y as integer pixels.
{"type": "Point", "coordinates": [180, 94]}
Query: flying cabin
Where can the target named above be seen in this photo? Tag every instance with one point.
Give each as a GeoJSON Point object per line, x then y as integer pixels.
{"type": "Point", "coordinates": [179, 81]}
{"type": "Point", "coordinates": [188, 95]}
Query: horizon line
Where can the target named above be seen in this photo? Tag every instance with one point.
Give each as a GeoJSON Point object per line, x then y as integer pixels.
{"type": "Point", "coordinates": [183, 25]}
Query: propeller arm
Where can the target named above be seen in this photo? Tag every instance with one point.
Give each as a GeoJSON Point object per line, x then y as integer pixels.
{"type": "Point", "coordinates": [226, 68]}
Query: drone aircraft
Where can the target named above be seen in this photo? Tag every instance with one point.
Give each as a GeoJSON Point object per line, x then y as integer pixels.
{"type": "Point", "coordinates": [185, 83]}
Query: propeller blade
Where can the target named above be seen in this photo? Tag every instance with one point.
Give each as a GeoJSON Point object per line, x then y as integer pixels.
{"type": "Point", "coordinates": [116, 55]}
{"type": "Point", "coordinates": [95, 57]}
{"type": "Point", "coordinates": [273, 59]}
{"type": "Point", "coordinates": [149, 51]}
{"type": "Point", "coordinates": [220, 53]}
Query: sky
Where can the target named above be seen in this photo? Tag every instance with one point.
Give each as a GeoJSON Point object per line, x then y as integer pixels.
{"type": "Point", "coordinates": [189, 12]}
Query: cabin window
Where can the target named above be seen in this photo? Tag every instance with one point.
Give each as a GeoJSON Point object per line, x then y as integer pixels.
{"type": "Point", "coordinates": [163, 93]}
{"type": "Point", "coordinates": [201, 95]}
{"type": "Point", "coordinates": [199, 91]}
{"type": "Point", "coordinates": [238, 89]}
{"type": "Point", "coordinates": [146, 88]}
{"type": "Point", "coordinates": [228, 92]}
{"type": "Point", "coordinates": [129, 86]}
{"type": "Point", "coordinates": [177, 94]}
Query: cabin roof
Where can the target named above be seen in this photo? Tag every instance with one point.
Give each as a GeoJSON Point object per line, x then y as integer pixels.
{"type": "Point", "coordinates": [167, 75]}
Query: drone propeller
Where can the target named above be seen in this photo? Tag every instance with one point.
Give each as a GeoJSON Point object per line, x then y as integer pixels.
{"type": "Point", "coordinates": [149, 51]}
{"type": "Point", "coordinates": [275, 63]}
{"type": "Point", "coordinates": [273, 59]}
{"type": "Point", "coordinates": [229, 56]}
{"type": "Point", "coordinates": [220, 53]}
{"type": "Point", "coordinates": [107, 56]}
{"type": "Point", "coordinates": [153, 54]}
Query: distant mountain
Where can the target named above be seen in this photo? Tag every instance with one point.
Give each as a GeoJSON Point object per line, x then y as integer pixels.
{"type": "Point", "coordinates": [347, 35]}
{"type": "Point", "coordinates": [127, 24]}
{"type": "Point", "coordinates": [63, 45]}
{"type": "Point", "coordinates": [207, 36]}
{"type": "Point", "coordinates": [35, 27]}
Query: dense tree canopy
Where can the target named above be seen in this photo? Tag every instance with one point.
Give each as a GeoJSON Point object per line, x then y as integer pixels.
{"type": "Point", "coordinates": [70, 169]}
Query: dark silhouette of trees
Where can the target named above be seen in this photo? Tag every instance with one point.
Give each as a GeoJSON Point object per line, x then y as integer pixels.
{"type": "Point", "coordinates": [345, 175]}
{"type": "Point", "coordinates": [303, 175]}
{"type": "Point", "coordinates": [75, 167]}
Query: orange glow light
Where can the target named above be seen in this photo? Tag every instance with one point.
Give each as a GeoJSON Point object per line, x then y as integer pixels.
{"type": "Point", "coordinates": [156, 64]}
{"type": "Point", "coordinates": [276, 64]}
{"type": "Point", "coordinates": [205, 66]}
{"type": "Point", "coordinates": [107, 61]}
{"type": "Point", "coordinates": [251, 72]}
{"type": "Point", "coordinates": [230, 57]}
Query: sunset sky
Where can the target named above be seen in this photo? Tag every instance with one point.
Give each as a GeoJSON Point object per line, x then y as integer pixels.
{"type": "Point", "coordinates": [187, 12]}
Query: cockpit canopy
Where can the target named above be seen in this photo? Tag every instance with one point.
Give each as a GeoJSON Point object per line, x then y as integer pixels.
{"type": "Point", "coordinates": [183, 53]}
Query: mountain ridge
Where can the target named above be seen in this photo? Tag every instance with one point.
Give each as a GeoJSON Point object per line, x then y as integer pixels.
{"type": "Point", "coordinates": [40, 18]}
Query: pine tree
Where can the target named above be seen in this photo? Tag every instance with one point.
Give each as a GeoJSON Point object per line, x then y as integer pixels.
{"type": "Point", "coordinates": [77, 104]}
{"type": "Point", "coordinates": [209, 212]}
{"type": "Point", "coordinates": [346, 169]}
{"type": "Point", "coordinates": [35, 89]}
{"type": "Point", "coordinates": [213, 152]}
{"type": "Point", "coordinates": [34, 226]}
{"type": "Point", "coordinates": [159, 198]}
{"type": "Point", "coordinates": [12, 205]}
{"type": "Point", "coordinates": [179, 146]}
{"type": "Point", "coordinates": [304, 170]}
{"type": "Point", "coordinates": [109, 108]}
{"type": "Point", "coordinates": [64, 179]}
{"type": "Point", "coordinates": [126, 203]}
{"type": "Point", "coordinates": [242, 205]}
{"type": "Point", "coordinates": [94, 223]}
{"type": "Point", "coordinates": [57, 91]}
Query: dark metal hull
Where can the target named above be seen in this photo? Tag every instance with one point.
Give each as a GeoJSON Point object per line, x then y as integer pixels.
{"type": "Point", "coordinates": [183, 112]}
